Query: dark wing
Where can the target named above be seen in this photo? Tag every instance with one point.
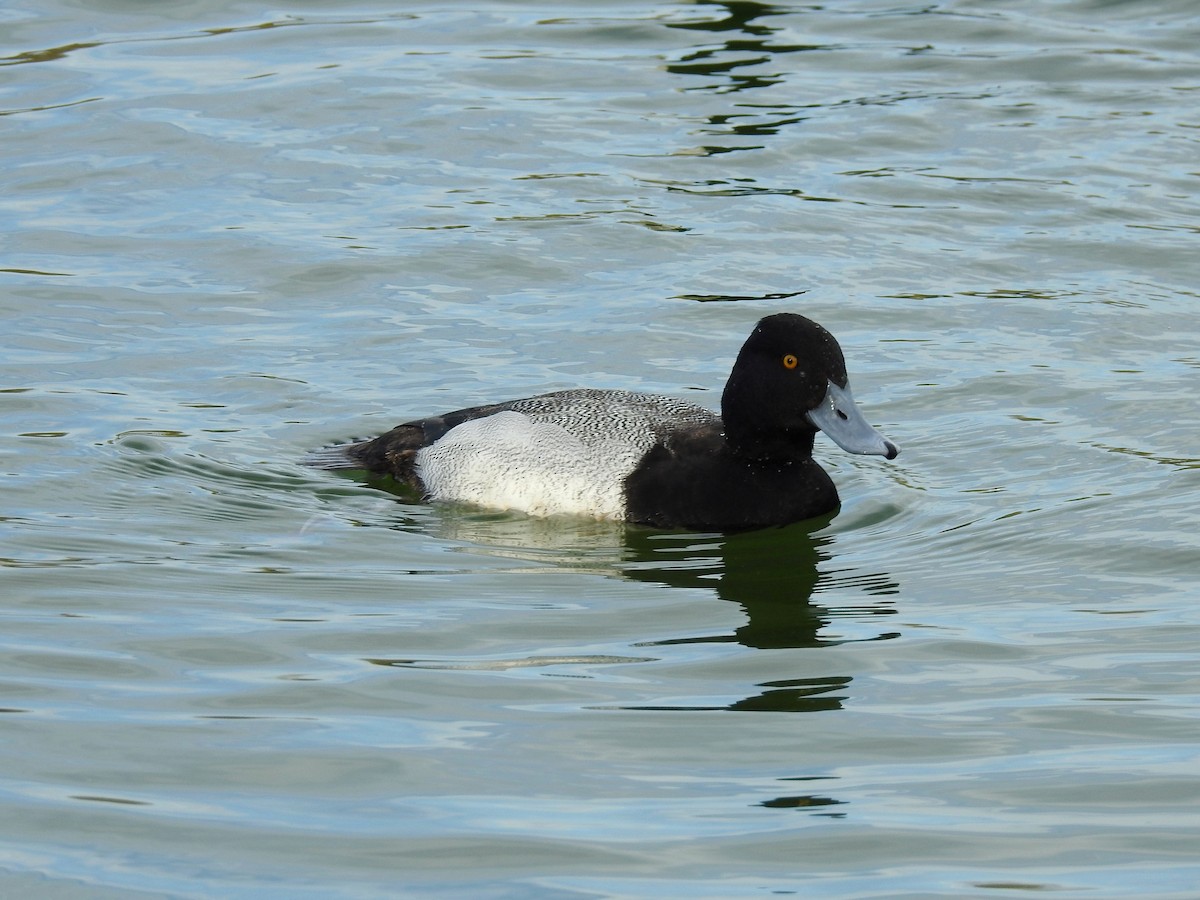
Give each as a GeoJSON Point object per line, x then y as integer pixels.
{"type": "Point", "coordinates": [395, 452]}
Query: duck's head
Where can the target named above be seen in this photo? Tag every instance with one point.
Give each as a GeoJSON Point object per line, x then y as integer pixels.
{"type": "Point", "coordinates": [788, 382]}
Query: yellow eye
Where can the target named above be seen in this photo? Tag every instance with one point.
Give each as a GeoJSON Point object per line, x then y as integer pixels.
{"type": "Point", "coordinates": [790, 361]}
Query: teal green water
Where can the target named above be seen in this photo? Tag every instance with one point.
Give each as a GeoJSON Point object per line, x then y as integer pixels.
{"type": "Point", "coordinates": [230, 236]}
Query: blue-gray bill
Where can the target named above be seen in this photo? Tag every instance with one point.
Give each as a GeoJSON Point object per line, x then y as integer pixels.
{"type": "Point", "coordinates": [839, 417]}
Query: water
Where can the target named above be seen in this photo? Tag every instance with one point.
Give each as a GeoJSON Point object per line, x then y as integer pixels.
{"type": "Point", "coordinates": [232, 234]}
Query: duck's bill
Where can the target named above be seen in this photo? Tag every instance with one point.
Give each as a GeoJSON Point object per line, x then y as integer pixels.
{"type": "Point", "coordinates": [839, 417]}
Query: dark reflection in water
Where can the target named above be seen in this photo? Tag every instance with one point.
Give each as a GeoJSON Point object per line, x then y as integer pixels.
{"type": "Point", "coordinates": [772, 574]}
{"type": "Point", "coordinates": [741, 58]}
{"type": "Point", "coordinates": [806, 801]}
{"type": "Point", "coordinates": [738, 63]}
{"type": "Point", "coordinates": [793, 695]}
{"type": "Point", "coordinates": [740, 16]}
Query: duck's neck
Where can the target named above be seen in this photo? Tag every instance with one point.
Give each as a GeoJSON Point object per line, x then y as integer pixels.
{"type": "Point", "coordinates": [757, 429]}
{"type": "Point", "coordinates": [776, 447]}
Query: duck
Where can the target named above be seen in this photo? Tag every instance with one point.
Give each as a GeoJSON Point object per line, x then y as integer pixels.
{"type": "Point", "coordinates": [643, 458]}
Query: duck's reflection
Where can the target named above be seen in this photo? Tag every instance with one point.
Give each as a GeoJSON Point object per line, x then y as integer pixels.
{"type": "Point", "coordinates": [777, 576]}
{"type": "Point", "coordinates": [772, 574]}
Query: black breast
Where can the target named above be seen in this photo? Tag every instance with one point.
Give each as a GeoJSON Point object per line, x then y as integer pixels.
{"type": "Point", "coordinates": [694, 480]}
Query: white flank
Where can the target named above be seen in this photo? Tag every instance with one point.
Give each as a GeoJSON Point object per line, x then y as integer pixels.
{"type": "Point", "coordinates": [509, 461]}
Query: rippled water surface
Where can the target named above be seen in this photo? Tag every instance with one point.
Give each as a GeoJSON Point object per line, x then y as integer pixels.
{"type": "Point", "coordinates": [231, 233]}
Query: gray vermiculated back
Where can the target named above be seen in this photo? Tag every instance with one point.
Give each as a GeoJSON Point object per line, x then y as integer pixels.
{"type": "Point", "coordinates": [592, 415]}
